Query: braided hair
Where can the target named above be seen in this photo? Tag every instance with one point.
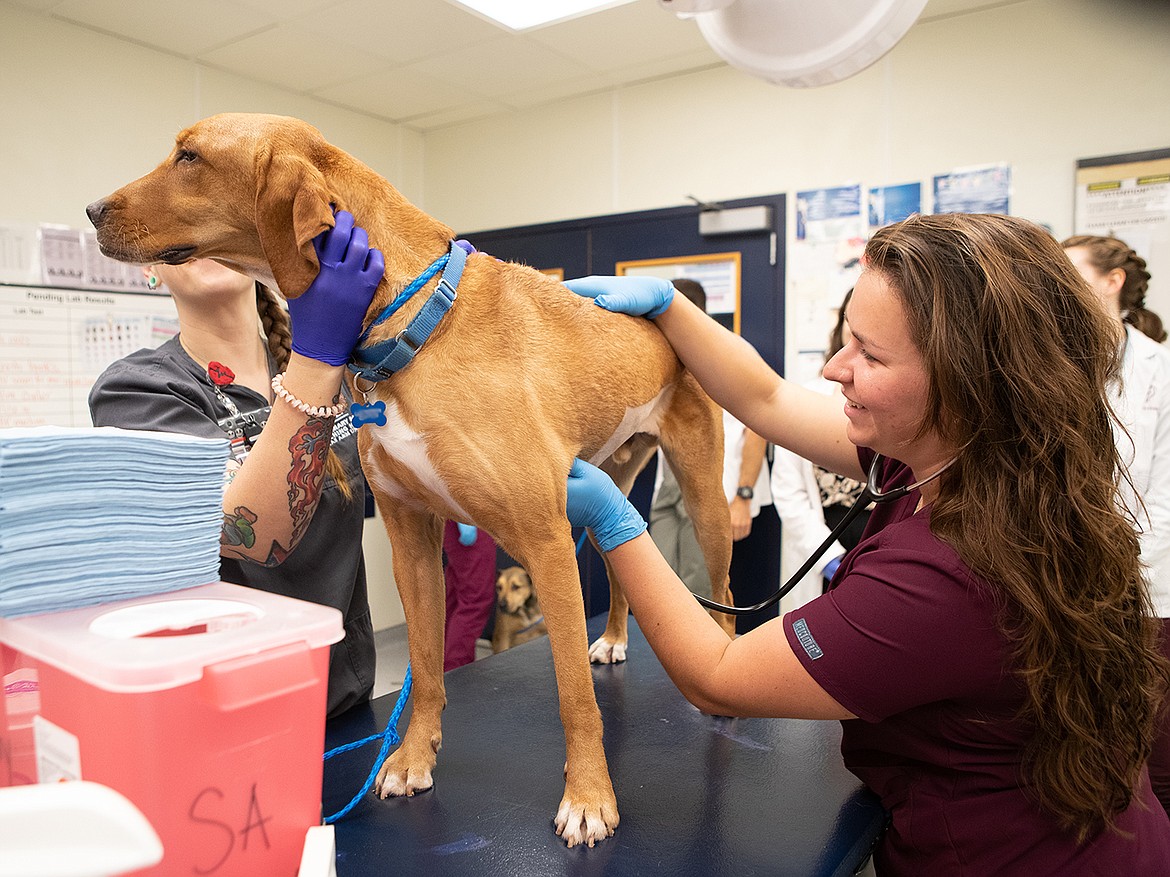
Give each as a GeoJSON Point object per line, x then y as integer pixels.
{"type": "Point", "coordinates": [278, 334]}
{"type": "Point", "coordinates": [1107, 254]}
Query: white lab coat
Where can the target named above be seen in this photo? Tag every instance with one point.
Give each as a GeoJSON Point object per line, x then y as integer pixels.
{"type": "Point", "coordinates": [733, 437]}
{"type": "Point", "coordinates": [1142, 403]}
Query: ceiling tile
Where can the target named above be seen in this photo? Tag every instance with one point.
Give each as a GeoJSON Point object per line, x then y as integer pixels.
{"type": "Point", "coordinates": [407, 31]}
{"type": "Point", "coordinates": [468, 112]}
{"type": "Point", "coordinates": [396, 94]}
{"type": "Point", "coordinates": [949, 8]}
{"type": "Point", "coordinates": [535, 95]}
{"type": "Point", "coordinates": [185, 29]}
{"type": "Point", "coordinates": [623, 36]}
{"type": "Point", "coordinates": [653, 68]}
{"type": "Point", "coordinates": [289, 10]}
{"type": "Point", "coordinates": [36, 5]}
{"type": "Point", "coordinates": [296, 56]}
{"type": "Point", "coordinates": [501, 66]}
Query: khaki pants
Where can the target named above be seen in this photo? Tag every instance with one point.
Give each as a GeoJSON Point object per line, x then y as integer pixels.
{"type": "Point", "coordinates": [674, 534]}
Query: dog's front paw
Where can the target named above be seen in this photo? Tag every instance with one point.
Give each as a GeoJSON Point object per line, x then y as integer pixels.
{"type": "Point", "coordinates": [580, 822]}
{"type": "Point", "coordinates": [607, 651]}
{"type": "Point", "coordinates": [399, 779]}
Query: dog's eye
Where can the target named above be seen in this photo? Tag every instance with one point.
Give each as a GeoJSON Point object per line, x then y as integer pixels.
{"type": "Point", "coordinates": [185, 155]}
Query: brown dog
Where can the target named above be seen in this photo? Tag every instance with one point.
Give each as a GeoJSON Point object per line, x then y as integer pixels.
{"type": "Point", "coordinates": [520, 377]}
{"type": "Point", "coordinates": [518, 615]}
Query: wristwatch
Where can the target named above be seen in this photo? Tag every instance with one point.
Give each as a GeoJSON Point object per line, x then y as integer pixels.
{"type": "Point", "coordinates": [744, 492]}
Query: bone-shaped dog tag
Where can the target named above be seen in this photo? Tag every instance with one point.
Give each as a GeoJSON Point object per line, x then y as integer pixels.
{"type": "Point", "coordinates": [374, 413]}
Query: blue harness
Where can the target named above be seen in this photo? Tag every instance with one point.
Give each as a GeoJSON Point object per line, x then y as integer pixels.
{"type": "Point", "coordinates": [377, 362]}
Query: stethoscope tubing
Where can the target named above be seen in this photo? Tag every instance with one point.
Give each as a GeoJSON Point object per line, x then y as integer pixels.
{"type": "Point", "coordinates": [869, 494]}
{"type": "Point", "coordinates": [862, 503]}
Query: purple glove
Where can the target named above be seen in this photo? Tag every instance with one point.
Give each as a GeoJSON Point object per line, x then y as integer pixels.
{"type": "Point", "coordinates": [830, 569]}
{"type": "Point", "coordinates": [327, 317]}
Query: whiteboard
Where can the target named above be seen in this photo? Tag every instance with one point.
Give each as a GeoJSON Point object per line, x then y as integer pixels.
{"type": "Point", "coordinates": [54, 342]}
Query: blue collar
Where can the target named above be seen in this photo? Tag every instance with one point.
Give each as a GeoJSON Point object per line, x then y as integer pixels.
{"type": "Point", "coordinates": [376, 362]}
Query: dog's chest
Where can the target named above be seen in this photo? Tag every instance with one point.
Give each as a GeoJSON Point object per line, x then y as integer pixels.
{"type": "Point", "coordinates": [409, 472]}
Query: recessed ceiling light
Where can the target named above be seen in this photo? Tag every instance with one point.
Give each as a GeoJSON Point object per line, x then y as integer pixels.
{"type": "Point", "coordinates": [526, 14]}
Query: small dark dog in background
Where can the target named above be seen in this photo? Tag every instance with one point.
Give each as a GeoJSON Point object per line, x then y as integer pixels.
{"type": "Point", "coordinates": [518, 615]}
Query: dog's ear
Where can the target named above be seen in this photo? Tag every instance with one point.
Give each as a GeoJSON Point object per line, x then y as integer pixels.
{"type": "Point", "coordinates": [292, 208]}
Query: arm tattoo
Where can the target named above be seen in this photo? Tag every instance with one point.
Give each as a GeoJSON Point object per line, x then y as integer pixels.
{"type": "Point", "coordinates": [238, 528]}
{"type": "Point", "coordinates": [239, 533]}
{"type": "Point", "coordinates": [309, 447]}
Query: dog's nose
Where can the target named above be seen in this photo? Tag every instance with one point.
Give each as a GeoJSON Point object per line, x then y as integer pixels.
{"type": "Point", "coordinates": [95, 211]}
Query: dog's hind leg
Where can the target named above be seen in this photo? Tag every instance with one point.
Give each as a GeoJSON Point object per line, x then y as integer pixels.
{"type": "Point", "coordinates": [416, 542]}
{"type": "Point", "coordinates": [623, 467]}
{"type": "Point", "coordinates": [692, 442]}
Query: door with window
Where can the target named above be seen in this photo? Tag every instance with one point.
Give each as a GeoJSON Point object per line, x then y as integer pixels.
{"type": "Point", "coordinates": [671, 238]}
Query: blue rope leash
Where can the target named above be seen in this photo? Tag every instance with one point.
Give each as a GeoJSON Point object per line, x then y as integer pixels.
{"type": "Point", "coordinates": [403, 297]}
{"type": "Point", "coordinates": [389, 738]}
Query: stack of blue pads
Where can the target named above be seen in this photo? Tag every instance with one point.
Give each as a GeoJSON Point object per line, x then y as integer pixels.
{"type": "Point", "coordinates": [97, 515]}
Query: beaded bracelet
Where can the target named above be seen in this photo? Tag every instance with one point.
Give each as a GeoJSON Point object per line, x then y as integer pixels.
{"type": "Point", "coordinates": [304, 407]}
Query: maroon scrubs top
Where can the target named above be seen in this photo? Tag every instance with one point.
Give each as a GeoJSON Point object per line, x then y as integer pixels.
{"type": "Point", "coordinates": [906, 640]}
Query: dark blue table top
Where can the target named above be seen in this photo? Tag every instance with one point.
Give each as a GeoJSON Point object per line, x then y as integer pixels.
{"type": "Point", "coordinates": [697, 794]}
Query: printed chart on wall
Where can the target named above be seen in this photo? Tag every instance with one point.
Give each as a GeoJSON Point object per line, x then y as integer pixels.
{"type": "Point", "coordinates": [718, 273]}
{"type": "Point", "coordinates": [54, 342]}
{"type": "Point", "coordinates": [1128, 197]}
{"type": "Point", "coordinates": [982, 189]}
{"type": "Point", "coordinates": [824, 263]}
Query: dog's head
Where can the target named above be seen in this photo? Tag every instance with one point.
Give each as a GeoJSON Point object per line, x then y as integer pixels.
{"type": "Point", "coordinates": [514, 590]}
{"type": "Point", "coordinates": [244, 189]}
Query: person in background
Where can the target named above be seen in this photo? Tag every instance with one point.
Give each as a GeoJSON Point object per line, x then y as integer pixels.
{"type": "Point", "coordinates": [1141, 400]}
{"type": "Point", "coordinates": [671, 527]}
{"type": "Point", "coordinates": [989, 646]}
{"type": "Point", "coordinates": [271, 382]}
{"type": "Point", "coordinates": [811, 501]}
{"type": "Point", "coordinates": [470, 575]}
{"type": "Point", "coordinates": [754, 524]}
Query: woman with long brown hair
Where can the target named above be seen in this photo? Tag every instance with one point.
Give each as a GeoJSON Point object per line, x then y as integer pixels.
{"type": "Point", "coordinates": [989, 645]}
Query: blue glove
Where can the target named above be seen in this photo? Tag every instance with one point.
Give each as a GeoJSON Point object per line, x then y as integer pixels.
{"type": "Point", "coordinates": [467, 533]}
{"type": "Point", "coordinates": [637, 296]}
{"type": "Point", "coordinates": [595, 502]}
{"type": "Point", "coordinates": [831, 567]}
{"type": "Point", "coordinates": [327, 317]}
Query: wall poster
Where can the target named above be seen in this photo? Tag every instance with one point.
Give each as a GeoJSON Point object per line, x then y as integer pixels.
{"type": "Point", "coordinates": [1128, 197]}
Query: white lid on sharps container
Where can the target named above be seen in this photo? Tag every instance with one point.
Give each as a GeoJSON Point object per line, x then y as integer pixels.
{"type": "Point", "coordinates": [166, 640]}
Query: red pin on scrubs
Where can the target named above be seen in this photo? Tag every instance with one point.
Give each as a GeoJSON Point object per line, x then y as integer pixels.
{"type": "Point", "coordinates": [220, 374]}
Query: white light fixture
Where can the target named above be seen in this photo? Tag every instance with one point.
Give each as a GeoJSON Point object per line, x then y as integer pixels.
{"type": "Point", "coordinates": [797, 42]}
{"type": "Point", "coordinates": [520, 15]}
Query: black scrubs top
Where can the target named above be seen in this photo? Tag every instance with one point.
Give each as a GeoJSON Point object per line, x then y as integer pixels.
{"type": "Point", "coordinates": [167, 391]}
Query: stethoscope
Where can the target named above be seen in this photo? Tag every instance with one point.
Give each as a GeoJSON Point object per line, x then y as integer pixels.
{"type": "Point", "coordinates": [869, 494]}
